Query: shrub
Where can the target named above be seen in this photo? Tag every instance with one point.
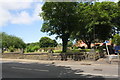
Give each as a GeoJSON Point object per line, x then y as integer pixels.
{"type": "Point", "coordinates": [11, 49]}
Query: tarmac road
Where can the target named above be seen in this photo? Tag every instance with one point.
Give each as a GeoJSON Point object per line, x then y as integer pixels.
{"type": "Point", "coordinates": [67, 69]}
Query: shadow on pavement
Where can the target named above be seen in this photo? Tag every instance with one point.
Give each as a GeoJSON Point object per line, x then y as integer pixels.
{"type": "Point", "coordinates": [34, 71]}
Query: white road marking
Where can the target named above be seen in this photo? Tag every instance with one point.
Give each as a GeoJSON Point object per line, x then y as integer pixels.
{"type": "Point", "coordinates": [25, 62]}
{"type": "Point", "coordinates": [41, 70]}
{"type": "Point", "coordinates": [30, 69]}
{"type": "Point", "coordinates": [97, 74]}
{"type": "Point", "coordinates": [6, 61]}
{"type": "Point", "coordinates": [22, 62]}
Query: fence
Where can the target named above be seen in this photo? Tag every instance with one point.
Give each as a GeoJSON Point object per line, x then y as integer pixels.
{"type": "Point", "coordinates": [82, 55]}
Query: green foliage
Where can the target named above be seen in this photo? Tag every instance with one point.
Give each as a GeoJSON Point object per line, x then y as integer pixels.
{"type": "Point", "coordinates": [11, 48]}
{"type": "Point", "coordinates": [55, 43]}
{"type": "Point", "coordinates": [95, 21]}
{"type": "Point", "coordinates": [47, 42]}
{"type": "Point", "coordinates": [116, 18]}
{"type": "Point", "coordinates": [72, 51]}
{"type": "Point", "coordinates": [57, 51]}
{"type": "Point", "coordinates": [70, 44]}
{"type": "Point", "coordinates": [59, 18]}
{"type": "Point", "coordinates": [9, 41]}
{"type": "Point", "coordinates": [106, 13]}
{"type": "Point", "coordinates": [75, 47]}
{"type": "Point", "coordinates": [32, 47]}
{"type": "Point", "coordinates": [77, 51]}
{"type": "Point", "coordinates": [85, 21]}
{"type": "Point", "coordinates": [116, 39]}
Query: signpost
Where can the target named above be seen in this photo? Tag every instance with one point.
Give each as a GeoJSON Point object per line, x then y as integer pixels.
{"type": "Point", "coordinates": [117, 50]}
{"type": "Point", "coordinates": [107, 47]}
{"type": "Point", "coordinates": [109, 56]}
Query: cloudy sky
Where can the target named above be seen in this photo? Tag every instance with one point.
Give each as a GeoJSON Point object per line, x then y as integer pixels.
{"type": "Point", "coordinates": [20, 18]}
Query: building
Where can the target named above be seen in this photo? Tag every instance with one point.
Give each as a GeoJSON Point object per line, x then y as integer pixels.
{"type": "Point", "coordinates": [80, 43]}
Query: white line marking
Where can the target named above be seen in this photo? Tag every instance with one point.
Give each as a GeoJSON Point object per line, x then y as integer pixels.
{"type": "Point", "coordinates": [97, 74]}
{"type": "Point", "coordinates": [30, 69]}
{"type": "Point", "coordinates": [41, 70]}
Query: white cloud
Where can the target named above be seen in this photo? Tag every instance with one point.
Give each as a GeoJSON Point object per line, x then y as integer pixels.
{"type": "Point", "coordinates": [15, 5]}
{"type": "Point", "coordinates": [37, 11]}
{"type": "Point", "coordinates": [22, 17]}
{"type": "Point", "coordinates": [22, 0]}
{"type": "Point", "coordinates": [25, 18]}
{"type": "Point", "coordinates": [115, 0]}
{"type": "Point", "coordinates": [20, 14]}
{"type": "Point", "coordinates": [4, 16]}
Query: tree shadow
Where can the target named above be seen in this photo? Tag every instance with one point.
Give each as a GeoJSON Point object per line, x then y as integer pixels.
{"type": "Point", "coordinates": [35, 70]}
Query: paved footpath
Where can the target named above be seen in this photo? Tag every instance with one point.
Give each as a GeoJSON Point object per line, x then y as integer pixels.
{"type": "Point", "coordinates": [95, 68]}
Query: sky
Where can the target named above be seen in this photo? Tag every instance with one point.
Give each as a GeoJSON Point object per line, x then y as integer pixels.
{"type": "Point", "coordinates": [21, 18]}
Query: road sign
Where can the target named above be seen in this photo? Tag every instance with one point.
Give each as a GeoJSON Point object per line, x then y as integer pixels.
{"type": "Point", "coordinates": [106, 42]}
{"type": "Point", "coordinates": [117, 49]}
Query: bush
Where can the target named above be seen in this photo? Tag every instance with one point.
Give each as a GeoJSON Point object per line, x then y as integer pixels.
{"type": "Point", "coordinates": [11, 49]}
{"type": "Point", "coordinates": [32, 47]}
{"type": "Point", "coordinates": [71, 51]}
{"type": "Point", "coordinates": [75, 47]}
{"type": "Point", "coordinates": [57, 51]}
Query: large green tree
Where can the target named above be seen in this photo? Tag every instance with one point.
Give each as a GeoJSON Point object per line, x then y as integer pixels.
{"type": "Point", "coordinates": [47, 42]}
{"type": "Point", "coordinates": [60, 18]}
{"type": "Point", "coordinates": [116, 19]}
{"type": "Point", "coordinates": [95, 21]}
{"type": "Point", "coordinates": [9, 41]}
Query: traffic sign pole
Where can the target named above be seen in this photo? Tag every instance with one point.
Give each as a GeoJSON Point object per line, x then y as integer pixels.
{"type": "Point", "coordinates": [109, 57]}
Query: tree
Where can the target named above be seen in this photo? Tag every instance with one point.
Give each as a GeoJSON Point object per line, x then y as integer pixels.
{"type": "Point", "coordinates": [95, 21]}
{"type": "Point", "coordinates": [70, 43]}
{"type": "Point", "coordinates": [9, 41]}
{"type": "Point", "coordinates": [116, 18]}
{"type": "Point", "coordinates": [116, 39]}
{"type": "Point", "coordinates": [60, 18]}
{"type": "Point", "coordinates": [47, 42]}
{"type": "Point", "coordinates": [55, 43]}
{"type": "Point", "coordinates": [31, 47]}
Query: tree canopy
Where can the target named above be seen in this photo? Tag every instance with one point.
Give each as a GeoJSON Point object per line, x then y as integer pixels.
{"type": "Point", "coordinates": [70, 44]}
{"type": "Point", "coordinates": [60, 19]}
{"type": "Point", "coordinates": [95, 21]}
{"type": "Point", "coordinates": [85, 21]}
{"type": "Point", "coordinates": [116, 39]}
{"type": "Point", "coordinates": [47, 42]}
{"type": "Point", "coordinates": [31, 47]}
{"type": "Point", "coordinates": [13, 41]}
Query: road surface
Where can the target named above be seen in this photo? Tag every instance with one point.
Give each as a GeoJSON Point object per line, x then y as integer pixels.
{"type": "Point", "coordinates": [58, 69]}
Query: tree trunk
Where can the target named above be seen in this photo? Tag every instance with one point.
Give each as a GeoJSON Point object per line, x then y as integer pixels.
{"type": "Point", "coordinates": [2, 50]}
{"type": "Point", "coordinates": [65, 41]}
{"type": "Point", "coordinates": [89, 45]}
{"type": "Point", "coordinates": [64, 49]}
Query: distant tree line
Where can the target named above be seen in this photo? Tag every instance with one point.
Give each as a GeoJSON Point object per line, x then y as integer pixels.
{"type": "Point", "coordinates": [44, 42]}
{"type": "Point", "coordinates": [11, 43]}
